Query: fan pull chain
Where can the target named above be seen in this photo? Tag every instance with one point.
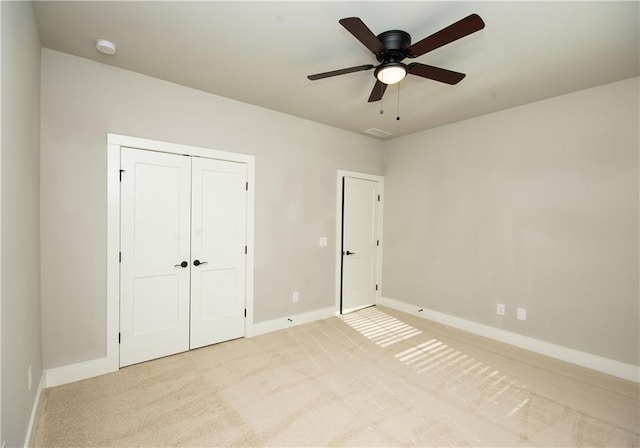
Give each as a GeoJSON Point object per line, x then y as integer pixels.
{"type": "Point", "coordinates": [398, 116]}
{"type": "Point", "coordinates": [381, 109]}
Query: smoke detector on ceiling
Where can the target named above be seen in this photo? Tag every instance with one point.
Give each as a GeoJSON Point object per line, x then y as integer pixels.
{"type": "Point", "coordinates": [105, 46]}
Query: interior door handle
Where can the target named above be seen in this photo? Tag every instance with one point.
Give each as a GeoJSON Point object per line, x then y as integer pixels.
{"type": "Point", "coordinates": [198, 262]}
{"type": "Point", "coordinates": [184, 264]}
{"type": "Point", "coordinates": [349, 253]}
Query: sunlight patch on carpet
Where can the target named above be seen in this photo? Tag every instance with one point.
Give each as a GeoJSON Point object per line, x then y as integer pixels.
{"type": "Point", "coordinates": [479, 386]}
{"type": "Point", "coordinates": [379, 327]}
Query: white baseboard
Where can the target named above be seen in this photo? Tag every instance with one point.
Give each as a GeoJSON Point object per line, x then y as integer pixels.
{"type": "Point", "coordinates": [34, 410]}
{"type": "Point", "coordinates": [284, 322]}
{"type": "Point", "coordinates": [594, 362]}
{"type": "Point", "coordinates": [76, 372]}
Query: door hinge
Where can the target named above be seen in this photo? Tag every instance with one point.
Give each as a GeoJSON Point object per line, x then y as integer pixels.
{"type": "Point", "coordinates": [246, 186]}
{"type": "Point", "coordinates": [245, 250]}
{"type": "Point", "coordinates": [377, 242]}
{"type": "Point", "coordinates": [119, 337]}
{"type": "Point", "coordinates": [376, 287]}
{"type": "Point", "coordinates": [122, 171]}
{"type": "Point", "coordinates": [245, 312]}
{"type": "Point", "coordinates": [120, 258]}
{"type": "Point", "coordinates": [378, 198]}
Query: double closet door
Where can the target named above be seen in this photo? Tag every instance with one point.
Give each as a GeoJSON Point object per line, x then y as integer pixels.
{"type": "Point", "coordinates": [183, 253]}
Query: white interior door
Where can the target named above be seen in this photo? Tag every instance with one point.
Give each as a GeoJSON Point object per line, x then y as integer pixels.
{"type": "Point", "coordinates": [155, 251]}
{"type": "Point", "coordinates": [359, 243]}
{"type": "Point", "coordinates": [219, 238]}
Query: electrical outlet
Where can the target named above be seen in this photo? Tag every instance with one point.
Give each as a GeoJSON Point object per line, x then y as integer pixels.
{"type": "Point", "coordinates": [501, 309]}
{"type": "Point", "coordinates": [29, 378]}
{"type": "Point", "coordinates": [522, 314]}
{"type": "Point", "coordinates": [296, 297]}
{"type": "Point", "coordinates": [323, 241]}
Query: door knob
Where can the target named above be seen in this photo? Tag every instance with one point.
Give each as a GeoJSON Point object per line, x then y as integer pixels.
{"type": "Point", "coordinates": [198, 262]}
{"type": "Point", "coordinates": [349, 253]}
{"type": "Point", "coordinates": [184, 264]}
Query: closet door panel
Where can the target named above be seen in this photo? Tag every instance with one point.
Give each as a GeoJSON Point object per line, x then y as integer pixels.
{"type": "Point", "coordinates": [219, 235]}
{"type": "Point", "coordinates": [155, 241]}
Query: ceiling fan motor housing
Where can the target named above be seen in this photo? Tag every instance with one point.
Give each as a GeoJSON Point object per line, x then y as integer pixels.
{"type": "Point", "coordinates": [396, 44]}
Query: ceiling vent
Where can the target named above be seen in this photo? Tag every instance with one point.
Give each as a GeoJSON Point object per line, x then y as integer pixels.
{"type": "Point", "coordinates": [378, 133]}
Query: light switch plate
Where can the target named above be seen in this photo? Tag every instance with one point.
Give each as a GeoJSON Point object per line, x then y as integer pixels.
{"type": "Point", "coordinates": [323, 241]}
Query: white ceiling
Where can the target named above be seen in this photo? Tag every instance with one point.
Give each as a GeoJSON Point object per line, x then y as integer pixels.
{"type": "Point", "coordinates": [261, 52]}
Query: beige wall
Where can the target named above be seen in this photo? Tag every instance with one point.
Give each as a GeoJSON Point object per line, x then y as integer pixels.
{"type": "Point", "coordinates": [536, 206]}
{"type": "Point", "coordinates": [21, 346]}
{"type": "Point", "coordinates": [533, 207]}
{"type": "Point", "coordinates": [296, 164]}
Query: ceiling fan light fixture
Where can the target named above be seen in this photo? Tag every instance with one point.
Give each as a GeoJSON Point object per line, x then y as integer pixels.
{"type": "Point", "coordinates": [391, 73]}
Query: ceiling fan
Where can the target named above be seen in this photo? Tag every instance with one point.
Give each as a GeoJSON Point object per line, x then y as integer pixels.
{"type": "Point", "coordinates": [392, 47]}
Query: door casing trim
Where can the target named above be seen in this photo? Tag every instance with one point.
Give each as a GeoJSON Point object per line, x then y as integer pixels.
{"type": "Point", "coordinates": [375, 178]}
{"type": "Point", "coordinates": [114, 143]}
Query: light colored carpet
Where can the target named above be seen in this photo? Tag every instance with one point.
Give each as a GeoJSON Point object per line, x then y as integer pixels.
{"type": "Point", "coordinates": [372, 378]}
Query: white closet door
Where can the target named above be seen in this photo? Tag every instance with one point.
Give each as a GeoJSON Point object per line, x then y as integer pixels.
{"type": "Point", "coordinates": [360, 251]}
{"type": "Point", "coordinates": [219, 235]}
{"type": "Point", "coordinates": [155, 228]}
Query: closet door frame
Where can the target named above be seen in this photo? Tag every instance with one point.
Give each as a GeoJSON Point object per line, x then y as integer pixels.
{"type": "Point", "coordinates": [114, 144]}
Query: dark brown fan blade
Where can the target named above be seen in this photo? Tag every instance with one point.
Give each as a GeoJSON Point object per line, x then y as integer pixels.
{"type": "Point", "coordinates": [344, 71]}
{"type": "Point", "coordinates": [361, 32]}
{"type": "Point", "coordinates": [461, 28]}
{"type": "Point", "coordinates": [377, 92]}
{"type": "Point", "coordinates": [435, 73]}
